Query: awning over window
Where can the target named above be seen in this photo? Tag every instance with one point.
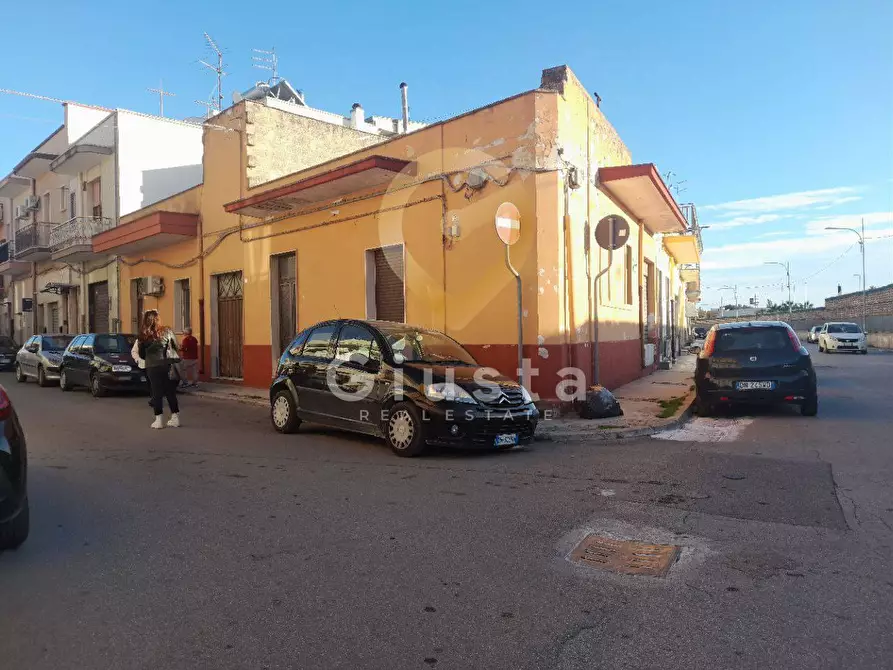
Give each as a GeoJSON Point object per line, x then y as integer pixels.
{"type": "Point", "coordinates": [155, 230]}
{"type": "Point", "coordinates": [683, 248]}
{"type": "Point", "coordinates": [80, 158]}
{"type": "Point", "coordinates": [364, 174]}
{"type": "Point", "coordinates": [640, 190]}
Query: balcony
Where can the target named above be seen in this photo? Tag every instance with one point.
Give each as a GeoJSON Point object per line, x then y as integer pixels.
{"type": "Point", "coordinates": [8, 263]}
{"type": "Point", "coordinates": [72, 241]}
{"type": "Point", "coordinates": [32, 242]}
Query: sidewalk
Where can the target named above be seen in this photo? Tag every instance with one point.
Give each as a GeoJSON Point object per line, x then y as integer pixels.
{"type": "Point", "coordinates": [657, 402]}
{"type": "Point", "coordinates": [244, 394]}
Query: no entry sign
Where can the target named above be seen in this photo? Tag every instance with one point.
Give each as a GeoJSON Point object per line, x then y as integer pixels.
{"type": "Point", "coordinates": [508, 223]}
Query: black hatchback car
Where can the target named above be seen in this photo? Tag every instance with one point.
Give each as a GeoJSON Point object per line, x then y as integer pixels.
{"type": "Point", "coordinates": [14, 518]}
{"type": "Point", "coordinates": [101, 362]}
{"type": "Point", "coordinates": [412, 386]}
{"type": "Point", "coordinates": [8, 350]}
{"type": "Point", "coordinates": [759, 362]}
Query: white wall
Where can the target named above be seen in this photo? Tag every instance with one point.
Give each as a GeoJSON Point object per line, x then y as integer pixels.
{"type": "Point", "coordinates": [156, 159]}
{"type": "Point", "coordinates": [79, 119]}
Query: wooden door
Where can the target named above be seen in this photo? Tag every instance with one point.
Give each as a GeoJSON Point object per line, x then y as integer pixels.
{"type": "Point", "coordinates": [229, 324]}
{"type": "Point", "coordinates": [98, 307]}
{"type": "Point", "coordinates": [287, 266]}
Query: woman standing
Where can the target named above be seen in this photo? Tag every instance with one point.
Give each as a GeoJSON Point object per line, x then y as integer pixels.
{"type": "Point", "coordinates": [158, 347]}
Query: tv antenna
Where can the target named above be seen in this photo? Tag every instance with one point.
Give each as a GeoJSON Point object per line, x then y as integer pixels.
{"type": "Point", "coordinates": [672, 184]}
{"type": "Point", "coordinates": [161, 94]}
{"type": "Point", "coordinates": [267, 60]}
{"type": "Point", "coordinates": [216, 103]}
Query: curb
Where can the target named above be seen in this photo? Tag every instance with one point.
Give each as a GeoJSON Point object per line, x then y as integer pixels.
{"type": "Point", "coordinates": [233, 397]}
{"type": "Point", "coordinates": [628, 433]}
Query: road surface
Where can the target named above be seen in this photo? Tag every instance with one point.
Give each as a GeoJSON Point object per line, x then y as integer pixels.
{"type": "Point", "coordinates": [225, 545]}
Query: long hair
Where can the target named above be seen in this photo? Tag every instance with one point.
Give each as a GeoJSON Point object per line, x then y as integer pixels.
{"type": "Point", "coordinates": [152, 327]}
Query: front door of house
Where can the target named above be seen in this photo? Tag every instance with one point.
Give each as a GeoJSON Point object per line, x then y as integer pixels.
{"type": "Point", "coordinates": [229, 324]}
{"type": "Point", "coordinates": [98, 307]}
{"type": "Point", "coordinates": [287, 266]}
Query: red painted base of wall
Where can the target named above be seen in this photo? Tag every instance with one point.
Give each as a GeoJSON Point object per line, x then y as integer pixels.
{"type": "Point", "coordinates": [619, 363]}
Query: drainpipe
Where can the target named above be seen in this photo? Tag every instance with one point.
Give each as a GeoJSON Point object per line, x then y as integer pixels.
{"type": "Point", "coordinates": [595, 366]}
{"type": "Point", "coordinates": [201, 296]}
{"type": "Point", "coordinates": [35, 327]}
{"type": "Point", "coordinates": [642, 293]}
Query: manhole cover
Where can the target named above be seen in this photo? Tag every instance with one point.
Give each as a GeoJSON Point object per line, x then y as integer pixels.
{"type": "Point", "coordinates": [627, 557]}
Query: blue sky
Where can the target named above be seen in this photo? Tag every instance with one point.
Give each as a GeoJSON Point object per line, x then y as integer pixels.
{"type": "Point", "coordinates": [778, 115]}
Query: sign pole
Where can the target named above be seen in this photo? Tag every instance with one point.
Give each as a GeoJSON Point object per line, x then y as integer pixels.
{"type": "Point", "coordinates": [508, 228]}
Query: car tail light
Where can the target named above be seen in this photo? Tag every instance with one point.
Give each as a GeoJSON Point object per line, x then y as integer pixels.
{"type": "Point", "coordinates": [794, 339]}
{"type": "Point", "coordinates": [5, 405]}
{"type": "Point", "coordinates": [710, 343]}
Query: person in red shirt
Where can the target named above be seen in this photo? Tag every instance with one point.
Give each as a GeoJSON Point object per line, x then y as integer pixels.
{"type": "Point", "coordinates": [189, 359]}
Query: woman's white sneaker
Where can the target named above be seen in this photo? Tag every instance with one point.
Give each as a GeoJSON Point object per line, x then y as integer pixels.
{"type": "Point", "coordinates": [157, 423]}
{"type": "Point", "coordinates": [174, 421]}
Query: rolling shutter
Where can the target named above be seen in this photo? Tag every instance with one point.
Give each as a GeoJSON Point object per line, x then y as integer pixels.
{"type": "Point", "coordinates": [389, 284]}
{"type": "Point", "coordinates": [98, 307]}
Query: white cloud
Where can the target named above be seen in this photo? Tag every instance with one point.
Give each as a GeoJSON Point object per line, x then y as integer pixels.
{"type": "Point", "coordinates": [739, 221]}
{"type": "Point", "coordinates": [776, 233]}
{"type": "Point", "coordinates": [752, 254]}
{"type": "Point", "coordinates": [873, 220]}
{"type": "Point", "coordinates": [826, 197]}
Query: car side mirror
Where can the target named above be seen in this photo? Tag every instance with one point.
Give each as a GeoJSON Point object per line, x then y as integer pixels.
{"type": "Point", "coordinates": [33, 348]}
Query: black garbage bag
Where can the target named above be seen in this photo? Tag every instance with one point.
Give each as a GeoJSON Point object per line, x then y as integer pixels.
{"type": "Point", "coordinates": [600, 403]}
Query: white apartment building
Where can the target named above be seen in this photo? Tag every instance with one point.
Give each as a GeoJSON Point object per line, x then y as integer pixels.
{"type": "Point", "coordinates": [98, 166]}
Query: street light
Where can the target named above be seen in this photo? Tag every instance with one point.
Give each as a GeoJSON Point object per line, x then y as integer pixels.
{"type": "Point", "coordinates": [861, 237]}
{"type": "Point", "coordinates": [787, 271]}
{"type": "Point", "coordinates": [734, 289]}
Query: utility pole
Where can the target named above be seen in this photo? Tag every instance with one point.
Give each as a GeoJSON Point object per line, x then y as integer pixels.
{"type": "Point", "coordinates": [161, 93]}
{"type": "Point", "coordinates": [862, 247]}
{"type": "Point", "coordinates": [734, 290]}
{"type": "Point", "coordinates": [216, 103]}
{"type": "Point", "coordinates": [787, 271]}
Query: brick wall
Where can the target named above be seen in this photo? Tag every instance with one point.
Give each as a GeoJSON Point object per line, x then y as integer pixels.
{"type": "Point", "coordinates": [878, 302]}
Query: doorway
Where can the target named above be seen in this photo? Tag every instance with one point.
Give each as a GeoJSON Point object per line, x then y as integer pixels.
{"type": "Point", "coordinates": [98, 307]}
{"type": "Point", "coordinates": [229, 325]}
{"type": "Point", "coordinates": [284, 301]}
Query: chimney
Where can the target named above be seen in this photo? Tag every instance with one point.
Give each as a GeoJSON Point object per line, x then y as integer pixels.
{"type": "Point", "coordinates": [357, 117]}
{"type": "Point", "coordinates": [405, 102]}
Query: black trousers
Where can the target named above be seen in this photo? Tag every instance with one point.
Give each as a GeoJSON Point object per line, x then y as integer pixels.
{"type": "Point", "coordinates": [162, 387]}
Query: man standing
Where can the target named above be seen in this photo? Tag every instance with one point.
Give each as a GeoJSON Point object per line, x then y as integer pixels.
{"type": "Point", "coordinates": [189, 359]}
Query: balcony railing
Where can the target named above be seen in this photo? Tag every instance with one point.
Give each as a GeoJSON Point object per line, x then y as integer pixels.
{"type": "Point", "coordinates": [690, 212]}
{"type": "Point", "coordinates": [33, 239]}
{"type": "Point", "coordinates": [77, 231]}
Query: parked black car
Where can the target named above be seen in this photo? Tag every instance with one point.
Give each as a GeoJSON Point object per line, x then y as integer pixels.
{"type": "Point", "coordinates": [700, 332]}
{"type": "Point", "coordinates": [14, 519]}
{"type": "Point", "coordinates": [759, 362]}
{"type": "Point", "coordinates": [8, 350]}
{"type": "Point", "coordinates": [349, 374]}
{"type": "Point", "coordinates": [101, 362]}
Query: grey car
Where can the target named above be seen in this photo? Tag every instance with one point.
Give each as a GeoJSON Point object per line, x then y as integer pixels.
{"type": "Point", "coordinates": [40, 358]}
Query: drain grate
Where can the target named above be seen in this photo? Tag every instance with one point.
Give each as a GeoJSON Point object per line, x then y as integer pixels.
{"type": "Point", "coordinates": [626, 557]}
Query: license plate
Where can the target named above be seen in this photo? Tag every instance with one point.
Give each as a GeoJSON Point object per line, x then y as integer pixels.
{"type": "Point", "coordinates": [506, 440]}
{"type": "Point", "coordinates": [120, 368]}
{"type": "Point", "coordinates": [755, 386]}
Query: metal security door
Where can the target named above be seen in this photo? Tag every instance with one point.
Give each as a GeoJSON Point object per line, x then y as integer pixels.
{"type": "Point", "coordinates": [98, 307]}
{"type": "Point", "coordinates": [389, 284]}
{"type": "Point", "coordinates": [287, 265]}
{"type": "Point", "coordinates": [54, 318]}
{"type": "Point", "coordinates": [229, 324]}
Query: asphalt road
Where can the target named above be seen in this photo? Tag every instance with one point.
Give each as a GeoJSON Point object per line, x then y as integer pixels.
{"type": "Point", "coordinates": [225, 545]}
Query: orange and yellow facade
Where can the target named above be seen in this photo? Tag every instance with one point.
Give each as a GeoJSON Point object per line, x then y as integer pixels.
{"type": "Point", "coordinates": [432, 194]}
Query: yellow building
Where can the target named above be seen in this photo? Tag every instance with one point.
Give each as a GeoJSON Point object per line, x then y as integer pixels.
{"type": "Point", "coordinates": [402, 228]}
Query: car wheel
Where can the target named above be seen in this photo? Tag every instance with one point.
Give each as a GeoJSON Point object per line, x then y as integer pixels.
{"type": "Point", "coordinates": [41, 376]}
{"type": "Point", "coordinates": [15, 531]}
{"type": "Point", "coordinates": [810, 406]}
{"type": "Point", "coordinates": [96, 387]}
{"type": "Point", "coordinates": [63, 381]}
{"type": "Point", "coordinates": [20, 376]}
{"type": "Point", "coordinates": [403, 430]}
{"type": "Point", "coordinates": [284, 412]}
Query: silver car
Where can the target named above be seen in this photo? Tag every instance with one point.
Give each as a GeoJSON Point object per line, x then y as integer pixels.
{"type": "Point", "coordinates": [40, 358]}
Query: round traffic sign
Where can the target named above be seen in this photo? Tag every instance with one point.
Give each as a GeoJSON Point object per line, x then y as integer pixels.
{"type": "Point", "coordinates": [508, 223]}
{"type": "Point", "coordinates": [612, 232]}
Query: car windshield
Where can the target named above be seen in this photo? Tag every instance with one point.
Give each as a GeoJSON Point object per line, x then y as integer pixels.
{"type": "Point", "coordinates": [426, 346]}
{"type": "Point", "coordinates": [114, 344]}
{"type": "Point", "coordinates": [749, 339]}
{"type": "Point", "coordinates": [56, 342]}
{"type": "Point", "coordinates": [844, 328]}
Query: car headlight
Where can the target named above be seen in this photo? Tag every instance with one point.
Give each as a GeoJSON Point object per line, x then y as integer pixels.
{"type": "Point", "coordinates": [105, 367]}
{"type": "Point", "coordinates": [448, 391]}
{"type": "Point", "coordinates": [526, 395]}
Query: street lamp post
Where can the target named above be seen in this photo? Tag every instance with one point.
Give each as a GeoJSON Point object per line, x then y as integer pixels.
{"type": "Point", "coordinates": [861, 237]}
{"type": "Point", "coordinates": [734, 290]}
{"type": "Point", "coordinates": [787, 271]}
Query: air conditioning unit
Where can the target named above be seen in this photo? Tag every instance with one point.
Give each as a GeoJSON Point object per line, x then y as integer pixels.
{"type": "Point", "coordinates": [32, 202]}
{"type": "Point", "coordinates": [22, 212]}
{"type": "Point", "coordinates": [153, 285]}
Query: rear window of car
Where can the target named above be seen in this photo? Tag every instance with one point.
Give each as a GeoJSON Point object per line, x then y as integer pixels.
{"type": "Point", "coordinates": [844, 328]}
{"type": "Point", "coordinates": [749, 339]}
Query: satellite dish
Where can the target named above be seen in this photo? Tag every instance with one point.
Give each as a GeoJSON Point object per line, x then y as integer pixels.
{"type": "Point", "coordinates": [612, 232]}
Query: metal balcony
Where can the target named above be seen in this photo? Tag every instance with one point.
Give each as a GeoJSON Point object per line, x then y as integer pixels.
{"type": "Point", "coordinates": [32, 242]}
{"type": "Point", "coordinates": [72, 241]}
{"type": "Point", "coordinates": [8, 264]}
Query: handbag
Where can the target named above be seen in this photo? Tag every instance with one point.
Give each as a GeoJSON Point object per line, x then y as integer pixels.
{"type": "Point", "coordinates": [173, 369]}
